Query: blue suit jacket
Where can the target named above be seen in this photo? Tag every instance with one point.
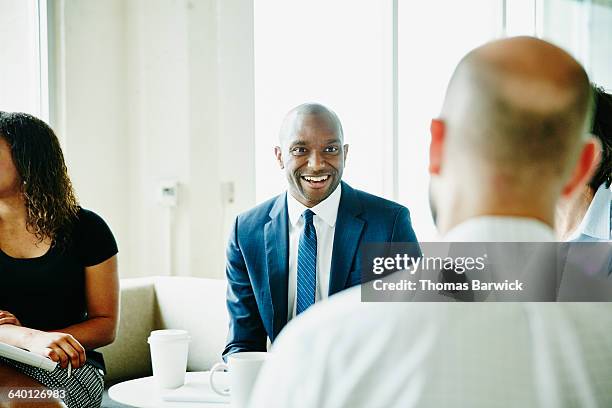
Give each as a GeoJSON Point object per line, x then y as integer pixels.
{"type": "Point", "coordinates": [258, 253]}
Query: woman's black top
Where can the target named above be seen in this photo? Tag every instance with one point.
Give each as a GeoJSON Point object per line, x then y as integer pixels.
{"type": "Point", "coordinates": [48, 292]}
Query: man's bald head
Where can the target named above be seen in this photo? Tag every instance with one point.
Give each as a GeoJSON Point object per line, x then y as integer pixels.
{"type": "Point", "coordinates": [309, 114]}
{"type": "Point", "coordinates": [520, 106]}
{"type": "Point", "coordinates": [512, 136]}
{"type": "Point", "coordinates": [312, 152]}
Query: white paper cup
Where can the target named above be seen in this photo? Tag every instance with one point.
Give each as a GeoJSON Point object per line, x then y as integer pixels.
{"type": "Point", "coordinates": [243, 369]}
{"type": "Point", "coordinates": [169, 350]}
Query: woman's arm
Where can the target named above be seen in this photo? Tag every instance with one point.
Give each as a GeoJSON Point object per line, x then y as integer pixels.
{"type": "Point", "coordinates": [59, 347]}
{"type": "Point", "coordinates": [7, 317]}
{"type": "Point", "coordinates": [102, 294]}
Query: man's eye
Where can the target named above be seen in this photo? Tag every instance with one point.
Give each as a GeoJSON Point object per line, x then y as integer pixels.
{"type": "Point", "coordinates": [331, 149]}
{"type": "Point", "coordinates": [298, 150]}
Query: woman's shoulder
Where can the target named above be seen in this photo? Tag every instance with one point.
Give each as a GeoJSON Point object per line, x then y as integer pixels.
{"type": "Point", "coordinates": [85, 214]}
{"type": "Point", "coordinates": [93, 237]}
{"type": "Point", "coordinates": [88, 219]}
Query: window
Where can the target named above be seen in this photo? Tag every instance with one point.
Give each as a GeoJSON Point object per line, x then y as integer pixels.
{"type": "Point", "coordinates": [23, 45]}
{"type": "Point", "coordinates": [384, 66]}
{"type": "Point", "coordinates": [324, 51]}
{"type": "Point", "coordinates": [583, 28]}
{"type": "Point", "coordinates": [432, 37]}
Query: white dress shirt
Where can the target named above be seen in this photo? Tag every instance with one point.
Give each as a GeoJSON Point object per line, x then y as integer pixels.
{"type": "Point", "coordinates": [324, 222]}
{"type": "Point", "coordinates": [595, 225]}
{"type": "Point", "coordinates": [345, 353]}
{"type": "Point", "coordinates": [500, 229]}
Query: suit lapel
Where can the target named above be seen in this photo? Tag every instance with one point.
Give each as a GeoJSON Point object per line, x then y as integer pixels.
{"type": "Point", "coordinates": [276, 237]}
{"type": "Point", "coordinates": [346, 238]}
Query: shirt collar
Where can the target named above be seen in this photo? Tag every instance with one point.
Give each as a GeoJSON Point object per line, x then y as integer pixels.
{"type": "Point", "coordinates": [500, 229]}
{"type": "Point", "coordinates": [596, 221]}
{"type": "Point", "coordinates": [327, 209]}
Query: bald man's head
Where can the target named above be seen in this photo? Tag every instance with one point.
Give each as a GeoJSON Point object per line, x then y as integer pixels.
{"type": "Point", "coordinates": [312, 152]}
{"type": "Point", "coordinates": [512, 136]}
{"type": "Point", "coordinates": [520, 105]}
{"type": "Point", "coordinates": [308, 113]}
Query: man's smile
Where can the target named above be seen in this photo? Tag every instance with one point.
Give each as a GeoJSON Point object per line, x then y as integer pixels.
{"type": "Point", "coordinates": [316, 182]}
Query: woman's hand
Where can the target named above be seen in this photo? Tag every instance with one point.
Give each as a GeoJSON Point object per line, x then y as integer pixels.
{"type": "Point", "coordinates": [60, 347]}
{"type": "Point", "coordinates": [7, 317]}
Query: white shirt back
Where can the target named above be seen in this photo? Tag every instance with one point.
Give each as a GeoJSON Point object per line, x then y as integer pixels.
{"type": "Point", "coordinates": [344, 353]}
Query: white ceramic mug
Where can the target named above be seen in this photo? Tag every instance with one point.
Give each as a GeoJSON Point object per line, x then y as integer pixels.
{"type": "Point", "coordinates": [243, 369]}
{"type": "Point", "coordinates": [169, 350]}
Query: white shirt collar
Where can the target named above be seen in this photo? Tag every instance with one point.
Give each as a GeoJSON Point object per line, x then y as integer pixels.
{"type": "Point", "coordinates": [596, 221]}
{"type": "Point", "coordinates": [500, 229]}
{"type": "Point", "coordinates": [327, 209]}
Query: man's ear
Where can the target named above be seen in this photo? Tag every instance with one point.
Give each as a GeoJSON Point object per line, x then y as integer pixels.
{"type": "Point", "coordinates": [279, 156]}
{"type": "Point", "coordinates": [436, 147]}
{"type": "Point", "coordinates": [345, 147]}
{"type": "Point", "coordinates": [585, 167]}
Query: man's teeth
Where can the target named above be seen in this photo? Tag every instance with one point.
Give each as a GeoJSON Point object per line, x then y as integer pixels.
{"type": "Point", "coordinates": [319, 178]}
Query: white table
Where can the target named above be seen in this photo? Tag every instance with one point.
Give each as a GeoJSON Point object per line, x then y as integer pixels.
{"type": "Point", "coordinates": [143, 392]}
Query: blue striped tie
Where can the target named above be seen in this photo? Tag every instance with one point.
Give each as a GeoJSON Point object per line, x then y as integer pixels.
{"type": "Point", "coordinates": [307, 265]}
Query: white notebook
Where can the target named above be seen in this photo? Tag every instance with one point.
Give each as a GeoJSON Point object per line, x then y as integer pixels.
{"type": "Point", "coordinates": [26, 357]}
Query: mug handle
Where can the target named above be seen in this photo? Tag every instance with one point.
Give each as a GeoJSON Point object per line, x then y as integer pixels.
{"type": "Point", "coordinates": [213, 370]}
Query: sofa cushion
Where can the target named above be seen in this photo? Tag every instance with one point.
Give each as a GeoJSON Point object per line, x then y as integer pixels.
{"type": "Point", "coordinates": [198, 306]}
{"type": "Point", "coordinates": [128, 356]}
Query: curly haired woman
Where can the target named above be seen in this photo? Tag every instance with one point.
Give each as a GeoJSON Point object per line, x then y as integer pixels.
{"type": "Point", "coordinates": [58, 268]}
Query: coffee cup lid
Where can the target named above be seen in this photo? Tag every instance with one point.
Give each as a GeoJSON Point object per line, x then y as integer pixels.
{"type": "Point", "coordinates": [168, 335]}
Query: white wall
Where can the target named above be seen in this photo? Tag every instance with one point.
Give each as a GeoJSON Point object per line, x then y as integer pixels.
{"type": "Point", "coordinates": [19, 72]}
{"type": "Point", "coordinates": [91, 108]}
{"type": "Point", "coordinates": [158, 90]}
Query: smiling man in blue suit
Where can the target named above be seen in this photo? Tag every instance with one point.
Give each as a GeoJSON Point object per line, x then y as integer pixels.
{"type": "Point", "coordinates": [303, 245]}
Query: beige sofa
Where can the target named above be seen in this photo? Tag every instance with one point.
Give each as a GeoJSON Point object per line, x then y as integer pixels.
{"type": "Point", "coordinates": [194, 304]}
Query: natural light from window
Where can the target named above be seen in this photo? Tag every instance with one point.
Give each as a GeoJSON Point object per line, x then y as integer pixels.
{"type": "Point", "coordinates": [321, 51]}
{"type": "Point", "coordinates": [21, 88]}
{"type": "Point", "coordinates": [431, 43]}
{"type": "Point", "coordinates": [340, 53]}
